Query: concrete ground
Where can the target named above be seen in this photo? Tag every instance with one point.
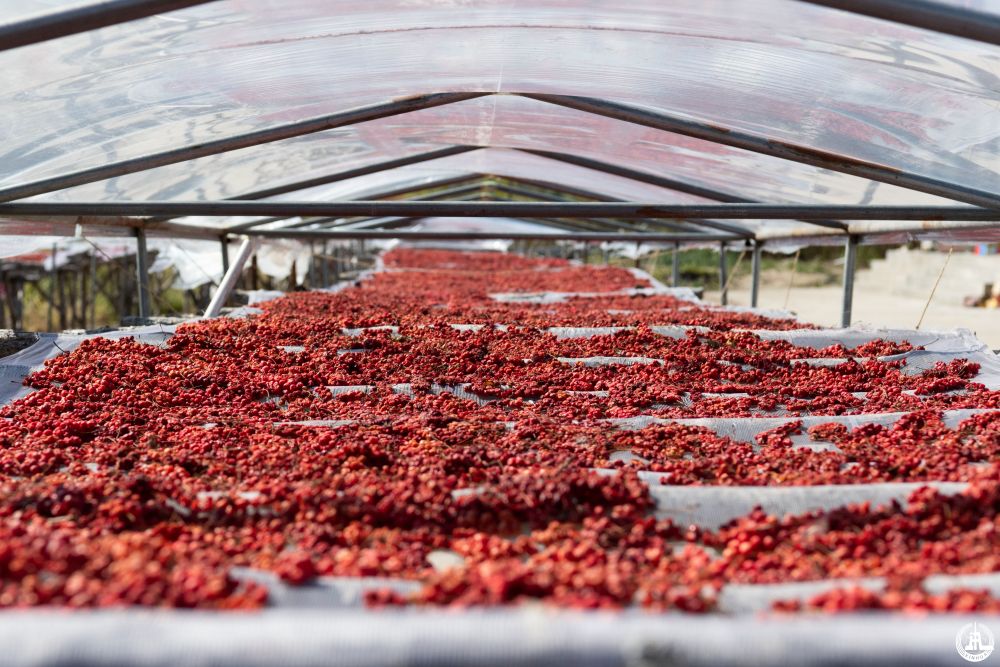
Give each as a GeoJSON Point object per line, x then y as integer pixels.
{"type": "Point", "coordinates": [821, 305]}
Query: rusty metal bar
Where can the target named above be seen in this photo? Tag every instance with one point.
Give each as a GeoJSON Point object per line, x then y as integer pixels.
{"type": "Point", "coordinates": [937, 16]}
{"type": "Point", "coordinates": [62, 23]}
{"type": "Point", "coordinates": [773, 147]}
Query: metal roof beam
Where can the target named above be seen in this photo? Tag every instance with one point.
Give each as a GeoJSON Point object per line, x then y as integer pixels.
{"type": "Point", "coordinates": [657, 225]}
{"type": "Point", "coordinates": [661, 181]}
{"type": "Point", "coordinates": [622, 210]}
{"type": "Point", "coordinates": [62, 23]}
{"type": "Point", "coordinates": [469, 184]}
{"type": "Point", "coordinates": [773, 147]}
{"type": "Point", "coordinates": [374, 168]}
{"type": "Point", "coordinates": [936, 16]}
{"type": "Point", "coordinates": [464, 179]}
{"type": "Point", "coordinates": [721, 226]}
{"type": "Point", "coordinates": [236, 142]}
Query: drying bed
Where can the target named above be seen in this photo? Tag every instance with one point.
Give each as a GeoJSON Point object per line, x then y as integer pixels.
{"type": "Point", "coordinates": [487, 430]}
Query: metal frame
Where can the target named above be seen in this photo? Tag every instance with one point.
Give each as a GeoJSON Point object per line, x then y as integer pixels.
{"type": "Point", "coordinates": [63, 23]}
{"type": "Point", "coordinates": [232, 274]}
{"type": "Point", "coordinates": [773, 147]}
{"type": "Point", "coordinates": [755, 266]}
{"type": "Point", "coordinates": [142, 273]}
{"type": "Point", "coordinates": [433, 155]}
{"type": "Point", "coordinates": [850, 266]}
{"type": "Point", "coordinates": [623, 210]}
{"type": "Point", "coordinates": [478, 181]}
{"type": "Point", "coordinates": [949, 19]}
{"type": "Point", "coordinates": [245, 140]}
{"type": "Point", "coordinates": [374, 168]}
{"type": "Point", "coordinates": [661, 181]}
{"type": "Point", "coordinates": [318, 234]}
{"type": "Point", "coordinates": [923, 14]}
{"type": "Point", "coordinates": [578, 192]}
{"type": "Point", "coordinates": [723, 276]}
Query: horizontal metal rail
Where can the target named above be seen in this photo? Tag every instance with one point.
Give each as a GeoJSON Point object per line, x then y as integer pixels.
{"type": "Point", "coordinates": [936, 16]}
{"type": "Point", "coordinates": [319, 234]}
{"type": "Point", "coordinates": [624, 210]}
{"type": "Point", "coordinates": [62, 23]}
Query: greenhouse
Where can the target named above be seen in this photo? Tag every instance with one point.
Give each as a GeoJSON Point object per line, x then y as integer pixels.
{"type": "Point", "coordinates": [489, 332]}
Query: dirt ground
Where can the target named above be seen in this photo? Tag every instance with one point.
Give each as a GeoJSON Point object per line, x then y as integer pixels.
{"type": "Point", "coordinates": [821, 305]}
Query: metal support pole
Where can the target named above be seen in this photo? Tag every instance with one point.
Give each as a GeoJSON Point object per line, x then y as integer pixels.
{"type": "Point", "coordinates": [325, 265]}
{"type": "Point", "coordinates": [755, 274]}
{"type": "Point", "coordinates": [675, 268]}
{"type": "Point", "coordinates": [142, 272]}
{"type": "Point", "coordinates": [52, 289]}
{"type": "Point", "coordinates": [850, 263]}
{"type": "Point", "coordinates": [311, 268]}
{"type": "Point", "coordinates": [93, 289]}
{"type": "Point", "coordinates": [229, 280]}
{"type": "Point", "coordinates": [224, 241]}
{"type": "Point", "coordinates": [723, 279]}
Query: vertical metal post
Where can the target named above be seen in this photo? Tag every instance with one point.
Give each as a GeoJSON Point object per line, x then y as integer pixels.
{"type": "Point", "coordinates": [723, 279]}
{"type": "Point", "coordinates": [142, 272]}
{"type": "Point", "coordinates": [755, 274]}
{"type": "Point", "coordinates": [675, 267]}
{"type": "Point", "coordinates": [850, 263]}
{"type": "Point", "coordinates": [93, 289]}
{"type": "Point", "coordinates": [228, 281]}
{"type": "Point", "coordinates": [638, 246]}
{"type": "Point", "coordinates": [325, 264]}
{"type": "Point", "coordinates": [52, 289]}
{"type": "Point", "coordinates": [311, 271]}
{"type": "Point", "coordinates": [224, 240]}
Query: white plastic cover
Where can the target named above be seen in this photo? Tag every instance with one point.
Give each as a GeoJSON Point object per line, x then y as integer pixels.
{"type": "Point", "coordinates": [889, 94]}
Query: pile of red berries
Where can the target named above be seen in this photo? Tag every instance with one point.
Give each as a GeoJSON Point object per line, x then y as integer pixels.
{"type": "Point", "coordinates": [360, 433]}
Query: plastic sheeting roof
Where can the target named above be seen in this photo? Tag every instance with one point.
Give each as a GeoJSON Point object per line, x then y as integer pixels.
{"type": "Point", "coordinates": [904, 98]}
